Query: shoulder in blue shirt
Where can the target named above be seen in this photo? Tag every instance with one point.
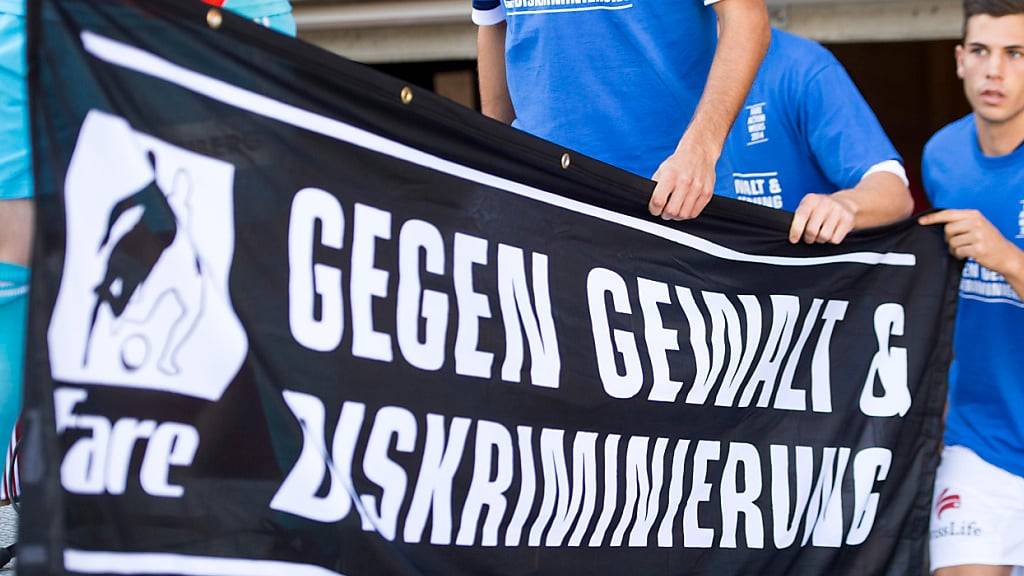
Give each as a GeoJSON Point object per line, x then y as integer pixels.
{"type": "Point", "coordinates": [617, 80]}
{"type": "Point", "coordinates": [986, 388]}
{"type": "Point", "coordinates": [805, 128]}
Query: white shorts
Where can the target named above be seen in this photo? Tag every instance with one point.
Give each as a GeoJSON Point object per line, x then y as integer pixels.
{"type": "Point", "coordinates": [977, 513]}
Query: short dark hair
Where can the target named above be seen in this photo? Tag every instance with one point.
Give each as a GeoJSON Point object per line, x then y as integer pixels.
{"type": "Point", "coordinates": [994, 8]}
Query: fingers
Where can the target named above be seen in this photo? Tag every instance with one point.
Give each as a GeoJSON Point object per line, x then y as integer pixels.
{"type": "Point", "coordinates": [674, 209]}
{"type": "Point", "coordinates": [696, 198]}
{"type": "Point", "coordinates": [844, 229]}
{"type": "Point", "coordinates": [830, 226]}
{"type": "Point", "coordinates": [660, 196]}
{"type": "Point", "coordinates": [958, 228]}
{"type": "Point", "coordinates": [796, 231]}
{"type": "Point", "coordinates": [837, 226]}
{"type": "Point", "coordinates": [678, 196]}
{"type": "Point", "coordinates": [946, 216]}
{"type": "Point", "coordinates": [821, 219]}
{"type": "Point", "coordinates": [960, 240]}
{"type": "Point", "coordinates": [814, 223]}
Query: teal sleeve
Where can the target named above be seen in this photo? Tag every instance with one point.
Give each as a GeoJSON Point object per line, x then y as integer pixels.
{"type": "Point", "coordinates": [13, 316]}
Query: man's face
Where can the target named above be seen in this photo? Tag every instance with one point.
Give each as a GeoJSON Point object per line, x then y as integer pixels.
{"type": "Point", "coordinates": [991, 64]}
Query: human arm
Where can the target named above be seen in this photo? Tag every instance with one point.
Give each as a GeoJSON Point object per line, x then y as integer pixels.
{"type": "Point", "coordinates": [686, 179]}
{"type": "Point", "coordinates": [879, 198]}
{"type": "Point", "coordinates": [495, 101]}
{"type": "Point", "coordinates": [853, 151]}
{"type": "Point", "coordinates": [971, 235]}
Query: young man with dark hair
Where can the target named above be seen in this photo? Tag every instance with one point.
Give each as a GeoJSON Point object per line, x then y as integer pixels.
{"type": "Point", "coordinates": [643, 86]}
{"type": "Point", "coordinates": [975, 168]}
{"type": "Point", "coordinates": [808, 142]}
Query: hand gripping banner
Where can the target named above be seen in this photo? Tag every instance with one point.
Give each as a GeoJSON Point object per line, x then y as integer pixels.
{"type": "Point", "coordinates": [291, 316]}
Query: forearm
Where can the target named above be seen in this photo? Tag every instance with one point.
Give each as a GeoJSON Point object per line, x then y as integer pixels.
{"type": "Point", "coordinates": [743, 40]}
{"type": "Point", "coordinates": [495, 101]}
{"type": "Point", "coordinates": [879, 199]}
{"type": "Point", "coordinates": [1013, 271]}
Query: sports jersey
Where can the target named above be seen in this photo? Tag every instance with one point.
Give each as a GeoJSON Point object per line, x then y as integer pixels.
{"type": "Point", "coordinates": [805, 129]}
{"type": "Point", "coordinates": [15, 161]}
{"type": "Point", "coordinates": [617, 80]}
{"type": "Point", "coordinates": [986, 397]}
{"type": "Point", "coordinates": [254, 9]}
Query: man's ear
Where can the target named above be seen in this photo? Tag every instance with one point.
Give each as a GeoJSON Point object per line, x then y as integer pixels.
{"type": "Point", "coordinates": [959, 61]}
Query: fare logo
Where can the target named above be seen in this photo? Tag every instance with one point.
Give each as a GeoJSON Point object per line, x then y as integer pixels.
{"type": "Point", "coordinates": [144, 300]}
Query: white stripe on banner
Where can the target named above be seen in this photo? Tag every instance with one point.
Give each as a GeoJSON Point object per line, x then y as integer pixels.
{"type": "Point", "coordinates": [89, 562]}
{"type": "Point", "coordinates": [147, 63]}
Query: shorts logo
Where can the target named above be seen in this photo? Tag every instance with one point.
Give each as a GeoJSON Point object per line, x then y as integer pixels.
{"type": "Point", "coordinates": [946, 501]}
{"type": "Point", "coordinates": [144, 301]}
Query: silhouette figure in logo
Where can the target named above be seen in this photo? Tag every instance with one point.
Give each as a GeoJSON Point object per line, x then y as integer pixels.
{"type": "Point", "coordinates": [157, 257]}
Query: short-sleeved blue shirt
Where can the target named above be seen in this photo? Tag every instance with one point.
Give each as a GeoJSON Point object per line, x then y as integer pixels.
{"type": "Point", "coordinates": [986, 394]}
{"type": "Point", "coordinates": [618, 80]}
{"type": "Point", "coordinates": [805, 128]}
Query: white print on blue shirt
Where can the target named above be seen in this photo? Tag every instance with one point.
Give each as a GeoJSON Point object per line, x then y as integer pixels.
{"type": "Point", "coordinates": [761, 188]}
{"type": "Point", "coordinates": [1020, 220]}
{"type": "Point", "coordinates": [980, 283]}
{"type": "Point", "coordinates": [523, 7]}
{"type": "Point", "coordinates": [757, 123]}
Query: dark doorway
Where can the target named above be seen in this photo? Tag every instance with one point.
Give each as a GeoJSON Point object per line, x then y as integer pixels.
{"type": "Point", "coordinates": [914, 90]}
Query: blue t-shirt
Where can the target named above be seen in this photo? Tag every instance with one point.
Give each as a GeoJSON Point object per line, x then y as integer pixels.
{"type": "Point", "coordinates": [805, 128]}
{"type": "Point", "coordinates": [986, 394]}
{"type": "Point", "coordinates": [617, 80]}
{"type": "Point", "coordinates": [15, 151]}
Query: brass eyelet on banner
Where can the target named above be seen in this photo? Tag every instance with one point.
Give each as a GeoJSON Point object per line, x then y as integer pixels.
{"type": "Point", "coordinates": [214, 18]}
{"type": "Point", "coordinates": [566, 161]}
{"type": "Point", "coordinates": [406, 95]}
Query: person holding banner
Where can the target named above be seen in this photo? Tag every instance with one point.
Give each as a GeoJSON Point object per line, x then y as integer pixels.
{"type": "Point", "coordinates": [17, 211]}
{"type": "Point", "coordinates": [641, 86]}
{"type": "Point", "coordinates": [975, 169]}
{"type": "Point", "coordinates": [807, 142]}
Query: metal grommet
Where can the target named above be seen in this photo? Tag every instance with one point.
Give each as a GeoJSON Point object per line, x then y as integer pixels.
{"type": "Point", "coordinates": [566, 161]}
{"type": "Point", "coordinates": [214, 18]}
{"type": "Point", "coordinates": [406, 95]}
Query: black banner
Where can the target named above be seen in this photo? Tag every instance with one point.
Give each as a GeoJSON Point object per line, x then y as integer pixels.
{"type": "Point", "coordinates": [290, 316]}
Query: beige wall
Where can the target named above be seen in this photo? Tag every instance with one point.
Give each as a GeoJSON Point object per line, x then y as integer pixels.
{"type": "Point", "coordinates": [389, 31]}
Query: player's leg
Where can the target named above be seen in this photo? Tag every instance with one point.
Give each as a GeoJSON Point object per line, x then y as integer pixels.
{"type": "Point", "coordinates": [16, 217]}
{"type": "Point", "coordinates": [13, 313]}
